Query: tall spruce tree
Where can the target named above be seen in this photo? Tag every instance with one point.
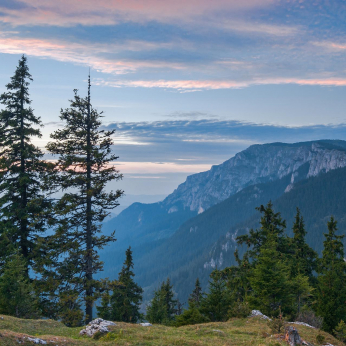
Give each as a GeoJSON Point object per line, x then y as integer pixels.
{"type": "Point", "coordinates": [22, 203]}
{"type": "Point", "coordinates": [331, 288]}
{"type": "Point", "coordinates": [85, 166]}
{"type": "Point", "coordinates": [124, 302]}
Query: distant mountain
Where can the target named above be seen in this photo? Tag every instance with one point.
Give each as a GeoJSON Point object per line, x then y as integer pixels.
{"type": "Point", "coordinates": [175, 238]}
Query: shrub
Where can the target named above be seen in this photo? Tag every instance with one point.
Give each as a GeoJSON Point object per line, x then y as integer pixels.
{"type": "Point", "coordinates": [277, 324]}
{"type": "Point", "coordinates": [240, 310]}
{"type": "Point", "coordinates": [309, 317]}
{"type": "Point", "coordinates": [320, 339]}
{"type": "Point", "coordinates": [340, 331]}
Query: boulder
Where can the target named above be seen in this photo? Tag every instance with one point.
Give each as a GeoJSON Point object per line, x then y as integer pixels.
{"type": "Point", "coordinates": [37, 341]}
{"type": "Point", "coordinates": [96, 326]}
{"type": "Point", "coordinates": [257, 313]}
{"type": "Point", "coordinates": [146, 324]}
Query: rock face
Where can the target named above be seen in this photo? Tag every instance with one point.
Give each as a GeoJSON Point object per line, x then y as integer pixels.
{"type": "Point", "coordinates": [257, 164]}
{"type": "Point", "coordinates": [95, 326]}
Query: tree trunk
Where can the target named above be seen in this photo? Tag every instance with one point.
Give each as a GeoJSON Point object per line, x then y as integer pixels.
{"type": "Point", "coordinates": [292, 336]}
{"type": "Point", "coordinates": [23, 188]}
{"type": "Point", "coordinates": [89, 275]}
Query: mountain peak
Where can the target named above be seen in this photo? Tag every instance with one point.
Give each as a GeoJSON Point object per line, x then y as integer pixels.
{"type": "Point", "coordinates": [257, 164]}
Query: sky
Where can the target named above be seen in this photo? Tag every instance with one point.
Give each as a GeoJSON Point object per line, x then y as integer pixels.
{"type": "Point", "coordinates": [186, 83]}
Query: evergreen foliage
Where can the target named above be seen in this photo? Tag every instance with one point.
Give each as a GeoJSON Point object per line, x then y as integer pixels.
{"type": "Point", "coordinates": [84, 168]}
{"type": "Point", "coordinates": [23, 205]}
{"type": "Point", "coordinates": [124, 302]}
{"type": "Point", "coordinates": [270, 281]}
{"type": "Point", "coordinates": [216, 304]}
{"type": "Point", "coordinates": [272, 226]}
{"type": "Point", "coordinates": [197, 294]}
{"type": "Point", "coordinates": [192, 315]}
{"type": "Point", "coordinates": [17, 294]}
{"type": "Point", "coordinates": [331, 288]}
{"type": "Point", "coordinates": [304, 259]}
{"type": "Point", "coordinates": [162, 308]}
{"type": "Point", "coordinates": [340, 331]}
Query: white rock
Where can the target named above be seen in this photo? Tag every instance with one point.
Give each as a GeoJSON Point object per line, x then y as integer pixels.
{"type": "Point", "coordinates": [97, 325]}
{"type": "Point", "coordinates": [37, 341]}
{"type": "Point", "coordinates": [146, 324]}
{"type": "Point", "coordinates": [257, 313]}
{"type": "Point", "coordinates": [302, 324]}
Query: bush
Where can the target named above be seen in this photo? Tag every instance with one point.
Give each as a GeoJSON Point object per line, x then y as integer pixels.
{"type": "Point", "coordinates": [240, 310]}
{"type": "Point", "coordinates": [340, 331]}
{"type": "Point", "coordinates": [320, 339]}
{"type": "Point", "coordinates": [277, 324]}
{"type": "Point", "coordinates": [309, 317]}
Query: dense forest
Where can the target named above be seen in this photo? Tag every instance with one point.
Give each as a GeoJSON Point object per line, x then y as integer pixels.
{"type": "Point", "coordinates": [49, 246]}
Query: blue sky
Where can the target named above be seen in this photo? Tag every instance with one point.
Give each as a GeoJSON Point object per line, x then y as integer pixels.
{"type": "Point", "coordinates": [186, 83]}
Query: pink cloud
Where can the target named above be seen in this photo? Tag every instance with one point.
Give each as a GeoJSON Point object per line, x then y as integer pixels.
{"type": "Point", "coordinates": [332, 46]}
{"type": "Point", "coordinates": [106, 12]}
{"type": "Point", "coordinates": [83, 54]}
{"type": "Point", "coordinates": [196, 85]}
{"type": "Point", "coordinates": [159, 168]}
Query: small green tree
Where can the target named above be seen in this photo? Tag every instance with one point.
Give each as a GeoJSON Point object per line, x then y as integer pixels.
{"type": "Point", "coordinates": [331, 289]}
{"type": "Point", "coordinates": [124, 302]}
{"type": "Point", "coordinates": [197, 294]}
{"type": "Point", "coordinates": [301, 290]}
{"type": "Point", "coordinates": [162, 308]}
{"type": "Point", "coordinates": [340, 331]}
{"type": "Point", "coordinates": [17, 295]}
{"type": "Point", "coordinates": [270, 281]}
{"type": "Point", "coordinates": [237, 278]}
{"type": "Point", "coordinates": [216, 303]}
{"type": "Point", "coordinates": [193, 315]}
{"type": "Point", "coordinates": [304, 259]}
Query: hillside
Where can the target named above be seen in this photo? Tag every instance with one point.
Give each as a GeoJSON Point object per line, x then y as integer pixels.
{"type": "Point", "coordinates": [185, 245]}
{"type": "Point", "coordinates": [236, 332]}
{"type": "Point", "coordinates": [208, 240]}
{"type": "Point", "coordinates": [142, 223]}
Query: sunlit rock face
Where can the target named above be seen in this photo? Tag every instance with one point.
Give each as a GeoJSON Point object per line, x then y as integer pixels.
{"type": "Point", "coordinates": [257, 164]}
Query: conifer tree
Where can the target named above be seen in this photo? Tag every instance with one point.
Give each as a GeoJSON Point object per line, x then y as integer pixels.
{"type": "Point", "coordinates": [197, 294]}
{"type": "Point", "coordinates": [17, 294]}
{"type": "Point", "coordinates": [237, 278]}
{"type": "Point", "coordinates": [193, 315]}
{"type": "Point", "coordinates": [270, 281]}
{"type": "Point", "coordinates": [85, 166]}
{"type": "Point", "coordinates": [271, 225]}
{"type": "Point", "coordinates": [304, 260]}
{"type": "Point", "coordinates": [331, 289]}
{"type": "Point", "coordinates": [124, 302]}
{"type": "Point", "coordinates": [216, 303]}
{"type": "Point", "coordinates": [22, 203]}
{"type": "Point", "coordinates": [162, 308]}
